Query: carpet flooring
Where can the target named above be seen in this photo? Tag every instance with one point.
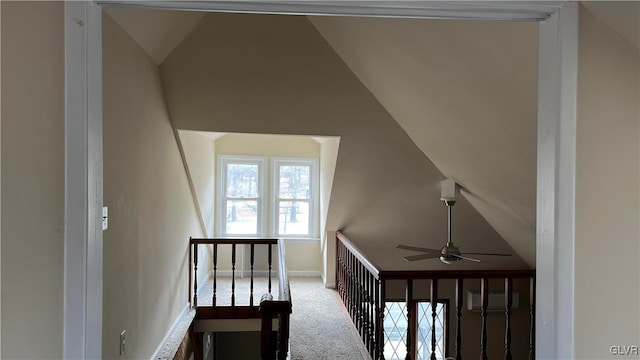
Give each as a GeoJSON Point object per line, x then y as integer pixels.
{"type": "Point", "coordinates": [321, 329]}
{"type": "Point", "coordinates": [320, 326]}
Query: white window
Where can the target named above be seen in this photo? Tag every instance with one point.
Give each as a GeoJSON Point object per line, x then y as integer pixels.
{"type": "Point", "coordinates": [295, 196]}
{"type": "Point", "coordinates": [241, 196]}
{"type": "Point", "coordinates": [248, 206]}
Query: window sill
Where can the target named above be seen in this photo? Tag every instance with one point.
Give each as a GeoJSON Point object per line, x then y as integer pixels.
{"type": "Point", "coordinates": [294, 240]}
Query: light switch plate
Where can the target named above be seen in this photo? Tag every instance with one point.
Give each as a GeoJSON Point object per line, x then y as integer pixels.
{"type": "Point", "coordinates": [105, 218]}
{"type": "Point", "coordinates": [123, 341]}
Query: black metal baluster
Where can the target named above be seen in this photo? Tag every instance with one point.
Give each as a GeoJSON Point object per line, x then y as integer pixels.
{"type": "Point", "coordinates": [434, 316]}
{"type": "Point", "coordinates": [508, 297]}
{"type": "Point", "coordinates": [251, 260]}
{"type": "Point", "coordinates": [233, 275]}
{"type": "Point", "coordinates": [190, 274]}
{"type": "Point", "coordinates": [195, 275]}
{"type": "Point", "coordinates": [215, 273]}
{"type": "Point", "coordinates": [459, 296]}
{"type": "Point", "coordinates": [532, 318]}
{"type": "Point", "coordinates": [381, 311]}
{"type": "Point", "coordinates": [411, 321]}
{"type": "Point", "coordinates": [270, 266]}
{"type": "Point", "coordinates": [484, 290]}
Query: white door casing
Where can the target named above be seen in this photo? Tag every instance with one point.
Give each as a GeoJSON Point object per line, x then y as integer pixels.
{"type": "Point", "coordinates": [556, 149]}
{"type": "Point", "coordinates": [82, 332]}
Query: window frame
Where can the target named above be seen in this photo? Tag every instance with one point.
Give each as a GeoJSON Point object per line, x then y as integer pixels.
{"type": "Point", "coordinates": [221, 203]}
{"type": "Point", "coordinates": [313, 200]}
{"type": "Point", "coordinates": [268, 209]}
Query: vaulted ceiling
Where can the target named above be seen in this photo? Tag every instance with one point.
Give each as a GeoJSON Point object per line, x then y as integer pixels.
{"type": "Point", "coordinates": [465, 92]}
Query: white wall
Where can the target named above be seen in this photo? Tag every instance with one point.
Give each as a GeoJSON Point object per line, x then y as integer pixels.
{"type": "Point", "coordinates": [151, 208]}
{"type": "Point", "coordinates": [607, 261]}
{"type": "Point", "coordinates": [32, 179]}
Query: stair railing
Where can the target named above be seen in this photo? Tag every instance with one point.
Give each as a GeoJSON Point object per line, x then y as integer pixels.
{"type": "Point", "coordinates": [268, 307]}
{"type": "Point", "coordinates": [362, 287]}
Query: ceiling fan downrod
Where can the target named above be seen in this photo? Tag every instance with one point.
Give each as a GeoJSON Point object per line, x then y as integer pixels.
{"type": "Point", "coordinates": [449, 204]}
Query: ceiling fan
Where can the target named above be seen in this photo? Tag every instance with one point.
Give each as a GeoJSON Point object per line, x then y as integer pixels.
{"type": "Point", "coordinates": [449, 253]}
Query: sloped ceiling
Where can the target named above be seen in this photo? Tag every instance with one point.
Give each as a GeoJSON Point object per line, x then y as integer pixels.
{"type": "Point", "coordinates": [466, 93]}
{"type": "Point", "coordinates": [621, 16]}
{"type": "Point", "coordinates": [277, 75]}
{"type": "Point", "coordinates": [157, 32]}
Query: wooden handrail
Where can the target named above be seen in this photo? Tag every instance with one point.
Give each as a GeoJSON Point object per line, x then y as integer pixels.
{"type": "Point", "coordinates": [373, 269]}
{"type": "Point", "coordinates": [456, 274]}
{"type": "Point", "coordinates": [237, 241]}
{"type": "Point", "coordinates": [362, 287]}
{"type": "Point", "coordinates": [283, 276]}
{"type": "Point", "coordinates": [283, 302]}
{"type": "Point", "coordinates": [268, 307]}
{"type": "Point", "coordinates": [430, 274]}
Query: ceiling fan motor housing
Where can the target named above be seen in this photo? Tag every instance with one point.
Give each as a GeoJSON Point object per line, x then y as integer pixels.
{"type": "Point", "coordinates": [447, 254]}
{"type": "Point", "coordinates": [449, 191]}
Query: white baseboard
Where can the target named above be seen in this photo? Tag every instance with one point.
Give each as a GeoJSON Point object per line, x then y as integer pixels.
{"type": "Point", "coordinates": [165, 339]}
{"type": "Point", "coordinates": [330, 285]}
{"type": "Point", "coordinates": [172, 328]}
{"type": "Point", "coordinates": [305, 273]}
{"type": "Point", "coordinates": [265, 273]}
{"type": "Point", "coordinates": [204, 281]}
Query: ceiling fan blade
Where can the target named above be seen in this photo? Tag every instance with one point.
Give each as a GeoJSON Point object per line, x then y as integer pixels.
{"type": "Point", "coordinates": [466, 258]}
{"type": "Point", "coordinates": [491, 254]}
{"type": "Point", "coordinates": [414, 248]}
{"type": "Point", "coordinates": [421, 257]}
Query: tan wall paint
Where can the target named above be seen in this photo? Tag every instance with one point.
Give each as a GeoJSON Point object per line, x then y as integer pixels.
{"type": "Point", "coordinates": [301, 255]}
{"type": "Point", "coordinates": [267, 145]}
{"type": "Point", "coordinates": [199, 154]}
{"type": "Point", "coordinates": [275, 74]}
{"type": "Point", "coordinates": [607, 249]}
{"type": "Point", "coordinates": [328, 156]}
{"type": "Point", "coordinates": [466, 93]}
{"type": "Point", "coordinates": [158, 32]}
{"type": "Point", "coordinates": [32, 179]}
{"type": "Point", "coordinates": [151, 210]}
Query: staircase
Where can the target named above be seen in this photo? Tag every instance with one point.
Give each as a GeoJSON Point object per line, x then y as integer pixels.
{"type": "Point", "coordinates": [263, 321]}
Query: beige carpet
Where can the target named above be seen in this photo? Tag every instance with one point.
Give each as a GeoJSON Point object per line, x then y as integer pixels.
{"type": "Point", "coordinates": [320, 327]}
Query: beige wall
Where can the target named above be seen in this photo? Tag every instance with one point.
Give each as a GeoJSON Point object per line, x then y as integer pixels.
{"type": "Point", "coordinates": [151, 209]}
{"type": "Point", "coordinates": [302, 256]}
{"type": "Point", "coordinates": [607, 251]}
{"type": "Point", "coordinates": [267, 145]}
{"type": "Point", "coordinates": [32, 179]}
{"type": "Point", "coordinates": [328, 156]}
{"type": "Point", "coordinates": [285, 79]}
{"type": "Point", "coordinates": [470, 106]}
{"type": "Point", "coordinates": [199, 155]}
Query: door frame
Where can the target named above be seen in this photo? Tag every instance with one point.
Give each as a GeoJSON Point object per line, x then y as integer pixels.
{"type": "Point", "coordinates": [557, 103]}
